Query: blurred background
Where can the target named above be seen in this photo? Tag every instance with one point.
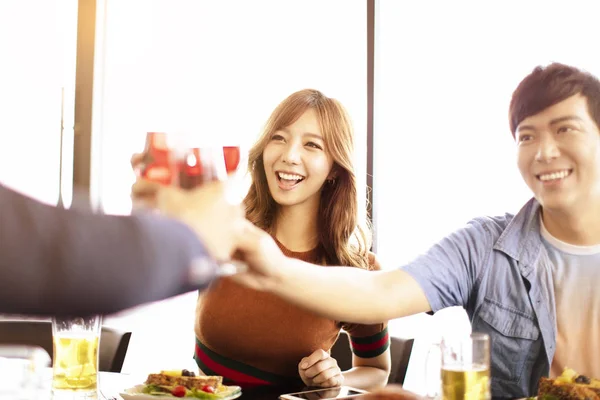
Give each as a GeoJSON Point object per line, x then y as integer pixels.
{"type": "Point", "coordinates": [427, 85]}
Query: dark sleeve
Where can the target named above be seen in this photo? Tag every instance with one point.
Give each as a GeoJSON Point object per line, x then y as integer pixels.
{"type": "Point", "coordinates": [369, 341]}
{"type": "Point", "coordinates": [56, 261]}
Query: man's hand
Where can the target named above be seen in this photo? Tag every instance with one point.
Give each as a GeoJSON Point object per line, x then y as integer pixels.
{"type": "Point", "coordinates": [218, 223]}
{"type": "Point", "coordinates": [262, 256]}
{"type": "Point", "coordinates": [320, 369]}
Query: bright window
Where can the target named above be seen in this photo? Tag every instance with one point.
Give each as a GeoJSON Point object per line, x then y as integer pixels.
{"type": "Point", "coordinates": [443, 150]}
{"type": "Point", "coordinates": [445, 72]}
{"type": "Point", "coordinates": [37, 75]}
{"type": "Point", "coordinates": [218, 69]}
{"type": "Point", "coordinates": [214, 68]}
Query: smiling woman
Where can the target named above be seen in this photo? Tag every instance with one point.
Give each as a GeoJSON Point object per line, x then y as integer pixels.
{"type": "Point", "coordinates": [212, 69]}
{"type": "Point", "coordinates": [311, 136]}
{"type": "Point", "coordinates": [296, 165]}
{"type": "Point", "coordinates": [304, 193]}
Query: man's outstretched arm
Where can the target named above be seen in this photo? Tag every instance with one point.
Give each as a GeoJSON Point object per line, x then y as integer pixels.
{"type": "Point", "coordinates": [339, 293]}
{"type": "Point", "coordinates": [55, 261]}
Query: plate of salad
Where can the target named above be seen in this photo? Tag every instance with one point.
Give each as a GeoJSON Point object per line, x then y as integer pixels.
{"type": "Point", "coordinates": [167, 385]}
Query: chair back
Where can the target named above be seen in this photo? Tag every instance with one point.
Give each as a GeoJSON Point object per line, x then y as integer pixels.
{"type": "Point", "coordinates": [113, 342]}
{"type": "Point", "coordinates": [113, 349]}
{"type": "Point", "coordinates": [400, 349]}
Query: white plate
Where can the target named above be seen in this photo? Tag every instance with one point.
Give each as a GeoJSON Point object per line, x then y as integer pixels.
{"type": "Point", "coordinates": [136, 393]}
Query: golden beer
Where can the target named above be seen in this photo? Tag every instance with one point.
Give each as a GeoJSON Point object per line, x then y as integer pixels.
{"type": "Point", "coordinates": [75, 362]}
{"type": "Point", "coordinates": [466, 383]}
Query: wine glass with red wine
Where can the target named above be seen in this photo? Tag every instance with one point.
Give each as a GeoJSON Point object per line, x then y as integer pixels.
{"type": "Point", "coordinates": [196, 166]}
{"type": "Point", "coordinates": [190, 164]}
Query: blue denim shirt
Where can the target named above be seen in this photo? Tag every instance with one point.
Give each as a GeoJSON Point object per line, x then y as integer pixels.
{"type": "Point", "coordinates": [498, 270]}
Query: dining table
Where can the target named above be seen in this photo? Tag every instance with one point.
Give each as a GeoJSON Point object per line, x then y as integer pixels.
{"type": "Point", "coordinates": [111, 384]}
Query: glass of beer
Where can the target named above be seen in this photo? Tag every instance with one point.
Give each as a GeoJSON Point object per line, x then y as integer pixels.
{"type": "Point", "coordinates": [75, 362]}
{"type": "Point", "coordinates": [465, 370]}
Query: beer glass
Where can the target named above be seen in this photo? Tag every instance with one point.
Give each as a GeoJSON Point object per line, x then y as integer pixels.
{"type": "Point", "coordinates": [464, 368]}
{"type": "Point", "coordinates": [75, 362]}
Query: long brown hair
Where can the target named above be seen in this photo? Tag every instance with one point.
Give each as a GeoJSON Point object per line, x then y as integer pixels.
{"type": "Point", "coordinates": [344, 239]}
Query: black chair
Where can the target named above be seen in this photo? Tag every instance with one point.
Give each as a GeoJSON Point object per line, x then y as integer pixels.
{"type": "Point", "coordinates": [400, 350]}
{"type": "Point", "coordinates": [113, 342]}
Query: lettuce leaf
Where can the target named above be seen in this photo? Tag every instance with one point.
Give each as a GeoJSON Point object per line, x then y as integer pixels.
{"type": "Point", "coordinates": [153, 389]}
{"type": "Point", "coordinates": [200, 394]}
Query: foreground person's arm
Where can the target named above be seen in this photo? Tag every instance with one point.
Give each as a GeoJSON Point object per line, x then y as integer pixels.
{"type": "Point", "coordinates": [443, 276]}
{"type": "Point", "coordinates": [339, 293]}
{"type": "Point", "coordinates": [55, 261]}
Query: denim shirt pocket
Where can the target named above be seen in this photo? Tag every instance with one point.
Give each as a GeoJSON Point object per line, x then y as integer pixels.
{"type": "Point", "coordinates": [515, 345]}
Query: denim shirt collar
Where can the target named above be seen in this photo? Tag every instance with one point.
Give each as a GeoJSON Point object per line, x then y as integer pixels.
{"type": "Point", "coordinates": [521, 239]}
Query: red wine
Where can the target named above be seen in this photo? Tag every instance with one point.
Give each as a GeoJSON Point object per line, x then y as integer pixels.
{"type": "Point", "coordinates": [195, 168]}
{"type": "Point", "coordinates": [232, 158]}
{"type": "Point", "coordinates": [156, 163]}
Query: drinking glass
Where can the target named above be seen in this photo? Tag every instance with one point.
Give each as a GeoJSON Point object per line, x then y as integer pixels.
{"type": "Point", "coordinates": [184, 160]}
{"type": "Point", "coordinates": [75, 363]}
{"type": "Point", "coordinates": [464, 368]}
{"type": "Point", "coordinates": [198, 165]}
{"type": "Point", "coordinates": [188, 161]}
{"type": "Point", "coordinates": [232, 156]}
{"type": "Point", "coordinates": [155, 163]}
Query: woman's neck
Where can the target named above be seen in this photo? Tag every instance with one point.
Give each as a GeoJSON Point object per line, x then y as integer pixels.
{"type": "Point", "coordinates": [296, 227]}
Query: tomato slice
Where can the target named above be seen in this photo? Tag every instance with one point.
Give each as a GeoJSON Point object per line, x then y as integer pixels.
{"type": "Point", "coordinates": [208, 389]}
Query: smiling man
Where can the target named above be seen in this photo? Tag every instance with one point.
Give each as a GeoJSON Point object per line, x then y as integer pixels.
{"type": "Point", "coordinates": [529, 280]}
{"type": "Point", "coordinates": [559, 158]}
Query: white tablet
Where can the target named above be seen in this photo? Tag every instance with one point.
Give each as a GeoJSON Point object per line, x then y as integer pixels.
{"type": "Point", "coordinates": [342, 392]}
